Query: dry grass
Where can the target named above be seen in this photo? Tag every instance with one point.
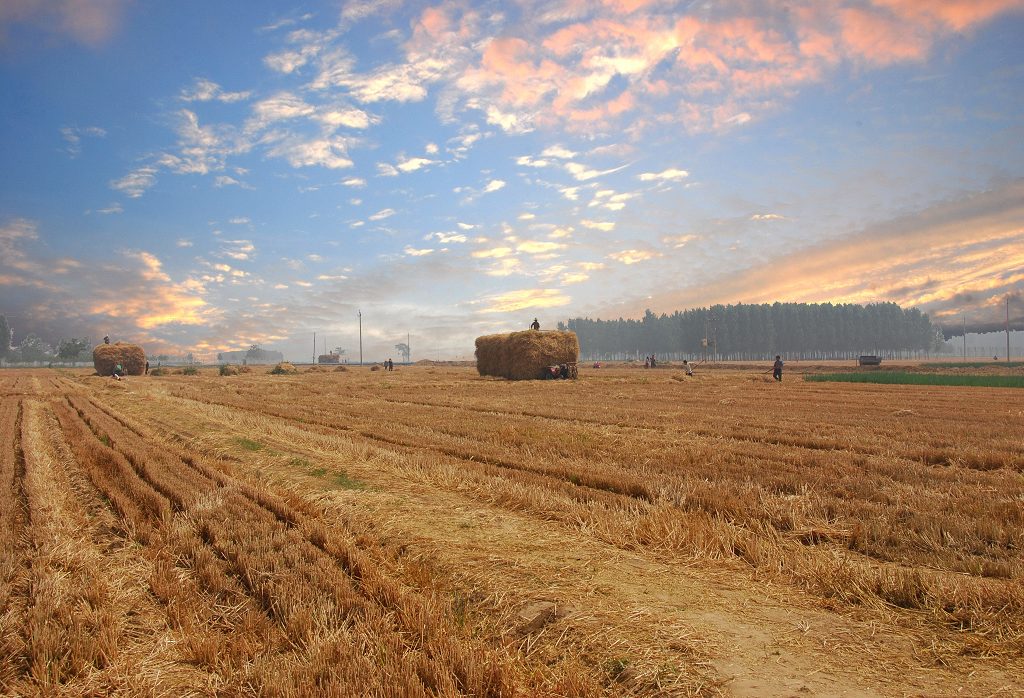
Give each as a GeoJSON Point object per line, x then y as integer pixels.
{"type": "Point", "coordinates": [131, 357]}
{"type": "Point", "coordinates": [276, 532]}
{"type": "Point", "coordinates": [523, 355]}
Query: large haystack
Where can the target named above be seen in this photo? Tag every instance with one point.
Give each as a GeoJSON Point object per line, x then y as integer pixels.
{"type": "Point", "coordinates": [524, 355]}
{"type": "Point", "coordinates": [131, 357]}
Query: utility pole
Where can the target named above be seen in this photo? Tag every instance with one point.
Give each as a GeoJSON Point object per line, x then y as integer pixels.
{"type": "Point", "coordinates": [360, 337]}
{"type": "Point", "coordinates": [408, 347]}
{"type": "Point", "coordinates": [314, 348]}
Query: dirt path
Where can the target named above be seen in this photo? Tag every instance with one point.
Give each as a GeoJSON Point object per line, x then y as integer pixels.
{"type": "Point", "coordinates": [749, 638]}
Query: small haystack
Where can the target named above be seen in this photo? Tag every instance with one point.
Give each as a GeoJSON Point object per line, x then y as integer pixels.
{"type": "Point", "coordinates": [284, 368]}
{"type": "Point", "coordinates": [524, 355]}
{"type": "Point", "coordinates": [228, 370]}
{"type": "Point", "coordinates": [131, 357]}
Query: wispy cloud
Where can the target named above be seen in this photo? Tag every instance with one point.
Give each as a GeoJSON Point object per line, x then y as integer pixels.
{"type": "Point", "coordinates": [72, 135]}
{"type": "Point", "coordinates": [204, 90]}
{"type": "Point", "coordinates": [135, 183]}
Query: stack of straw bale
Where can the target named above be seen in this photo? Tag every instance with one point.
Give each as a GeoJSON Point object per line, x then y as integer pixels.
{"type": "Point", "coordinates": [131, 357]}
{"type": "Point", "coordinates": [524, 355]}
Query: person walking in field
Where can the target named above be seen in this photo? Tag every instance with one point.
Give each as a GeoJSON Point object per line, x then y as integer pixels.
{"type": "Point", "coordinates": [534, 325]}
{"type": "Point", "coordinates": [777, 368]}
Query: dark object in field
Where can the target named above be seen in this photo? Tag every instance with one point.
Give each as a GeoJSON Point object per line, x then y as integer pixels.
{"type": "Point", "coordinates": [564, 371]}
{"type": "Point", "coordinates": [869, 360]}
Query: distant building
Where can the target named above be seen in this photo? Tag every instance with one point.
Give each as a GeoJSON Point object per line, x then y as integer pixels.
{"type": "Point", "coordinates": [329, 359]}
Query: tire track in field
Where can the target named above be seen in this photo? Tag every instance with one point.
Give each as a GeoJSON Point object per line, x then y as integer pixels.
{"type": "Point", "coordinates": [317, 604]}
{"type": "Point", "coordinates": [578, 482]}
{"type": "Point", "coordinates": [92, 626]}
{"type": "Point", "coordinates": [13, 551]}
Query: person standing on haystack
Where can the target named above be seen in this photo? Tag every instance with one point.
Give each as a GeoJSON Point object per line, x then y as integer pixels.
{"type": "Point", "coordinates": [106, 339]}
{"type": "Point", "coordinates": [777, 368]}
{"type": "Point", "coordinates": [534, 325]}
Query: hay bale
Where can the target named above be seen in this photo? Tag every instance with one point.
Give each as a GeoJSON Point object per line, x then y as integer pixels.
{"type": "Point", "coordinates": [524, 355]}
{"type": "Point", "coordinates": [341, 368]}
{"type": "Point", "coordinates": [284, 368]}
{"type": "Point", "coordinates": [228, 370]}
{"type": "Point", "coordinates": [131, 357]}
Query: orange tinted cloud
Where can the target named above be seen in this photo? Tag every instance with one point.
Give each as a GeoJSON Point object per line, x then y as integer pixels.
{"type": "Point", "coordinates": [729, 68]}
{"type": "Point", "coordinates": [971, 249]}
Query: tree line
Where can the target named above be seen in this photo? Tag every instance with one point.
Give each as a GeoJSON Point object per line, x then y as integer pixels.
{"type": "Point", "coordinates": [755, 332]}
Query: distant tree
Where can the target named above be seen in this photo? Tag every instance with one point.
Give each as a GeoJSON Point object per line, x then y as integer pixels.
{"type": "Point", "coordinates": [404, 350]}
{"type": "Point", "coordinates": [5, 337]}
{"type": "Point", "coordinates": [32, 348]}
{"type": "Point", "coordinates": [72, 349]}
{"type": "Point", "coordinates": [189, 359]}
{"type": "Point", "coordinates": [254, 352]}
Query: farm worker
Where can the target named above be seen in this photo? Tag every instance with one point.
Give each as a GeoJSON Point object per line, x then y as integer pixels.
{"type": "Point", "coordinates": [117, 372]}
{"type": "Point", "coordinates": [106, 339]}
{"type": "Point", "coordinates": [534, 325]}
{"type": "Point", "coordinates": [687, 367]}
{"type": "Point", "coordinates": [147, 368]}
{"type": "Point", "coordinates": [777, 368]}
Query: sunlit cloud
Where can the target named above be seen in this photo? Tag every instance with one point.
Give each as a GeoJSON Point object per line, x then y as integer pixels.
{"type": "Point", "coordinates": [493, 253]}
{"type": "Point", "coordinates": [539, 246]}
{"type": "Point", "coordinates": [633, 256]}
{"type": "Point", "coordinates": [494, 185]}
{"type": "Point", "coordinates": [604, 226]}
{"type": "Point", "coordinates": [677, 241]}
{"type": "Point", "coordinates": [528, 298]}
{"type": "Point", "coordinates": [413, 252]}
{"type": "Point", "coordinates": [670, 175]}
{"type": "Point", "coordinates": [382, 214]}
{"type": "Point", "coordinates": [767, 217]}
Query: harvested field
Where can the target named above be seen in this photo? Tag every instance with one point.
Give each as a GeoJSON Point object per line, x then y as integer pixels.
{"type": "Point", "coordinates": [433, 532]}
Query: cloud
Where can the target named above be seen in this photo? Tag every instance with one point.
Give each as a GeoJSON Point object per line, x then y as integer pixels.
{"type": "Point", "coordinates": [494, 185]}
{"type": "Point", "coordinates": [493, 253]}
{"type": "Point", "coordinates": [72, 135]}
{"type": "Point", "coordinates": [446, 238]}
{"type": "Point", "coordinates": [670, 175]}
{"type": "Point", "coordinates": [937, 259]}
{"type": "Point", "coordinates": [354, 182]}
{"type": "Point", "coordinates": [205, 90]}
{"type": "Point", "coordinates": [299, 151]}
{"type": "Point", "coordinates": [91, 23]}
{"type": "Point", "coordinates": [633, 256]}
{"type": "Point", "coordinates": [183, 242]}
{"type": "Point", "coordinates": [135, 183]}
{"type": "Point", "coordinates": [678, 241]}
{"type": "Point", "coordinates": [605, 226]}
{"type": "Point", "coordinates": [583, 173]}
{"type": "Point", "coordinates": [413, 164]}
{"type": "Point", "coordinates": [539, 246]}
{"type": "Point", "coordinates": [382, 214]}
{"type": "Point", "coordinates": [413, 252]}
{"type": "Point", "coordinates": [239, 220]}
{"type": "Point", "coordinates": [767, 217]}
{"type": "Point", "coordinates": [528, 298]}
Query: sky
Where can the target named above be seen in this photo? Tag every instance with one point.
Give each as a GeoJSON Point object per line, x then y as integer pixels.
{"type": "Point", "coordinates": [198, 176]}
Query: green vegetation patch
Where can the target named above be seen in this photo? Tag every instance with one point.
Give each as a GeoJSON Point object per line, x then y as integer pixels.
{"type": "Point", "coordinates": [973, 364]}
{"type": "Point", "coordinates": [248, 444]}
{"type": "Point", "coordinates": [903, 378]}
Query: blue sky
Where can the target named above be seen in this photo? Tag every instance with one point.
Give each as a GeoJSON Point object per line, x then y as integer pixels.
{"type": "Point", "coordinates": [204, 176]}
